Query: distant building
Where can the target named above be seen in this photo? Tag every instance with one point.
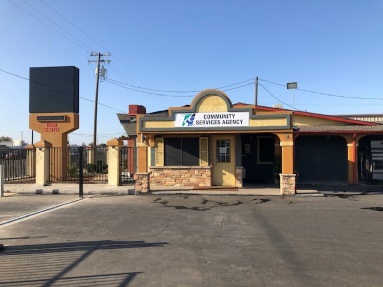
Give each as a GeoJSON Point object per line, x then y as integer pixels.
{"type": "Point", "coordinates": [13, 144]}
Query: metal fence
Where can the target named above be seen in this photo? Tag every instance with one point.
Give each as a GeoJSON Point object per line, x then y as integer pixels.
{"type": "Point", "coordinates": [64, 164]}
{"type": "Point", "coordinates": [127, 164]}
{"type": "Point", "coordinates": [19, 165]}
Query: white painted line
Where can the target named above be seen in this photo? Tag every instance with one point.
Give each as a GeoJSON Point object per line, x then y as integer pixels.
{"type": "Point", "coordinates": [36, 213]}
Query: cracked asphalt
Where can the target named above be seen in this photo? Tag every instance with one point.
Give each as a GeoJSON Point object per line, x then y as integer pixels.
{"type": "Point", "coordinates": [193, 240]}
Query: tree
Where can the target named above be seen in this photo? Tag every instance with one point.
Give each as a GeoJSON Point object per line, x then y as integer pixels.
{"type": "Point", "coordinates": [5, 139]}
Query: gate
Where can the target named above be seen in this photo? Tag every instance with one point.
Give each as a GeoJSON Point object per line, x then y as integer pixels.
{"type": "Point", "coordinates": [19, 165]}
{"type": "Point", "coordinates": [127, 164]}
{"type": "Point", "coordinates": [64, 164]}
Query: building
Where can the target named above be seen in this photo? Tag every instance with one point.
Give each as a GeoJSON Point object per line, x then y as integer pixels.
{"type": "Point", "coordinates": [213, 142]}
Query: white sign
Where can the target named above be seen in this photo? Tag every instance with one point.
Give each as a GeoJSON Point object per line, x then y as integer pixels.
{"type": "Point", "coordinates": [204, 120]}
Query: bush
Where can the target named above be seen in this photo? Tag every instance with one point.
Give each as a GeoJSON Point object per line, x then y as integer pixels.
{"type": "Point", "coordinates": [98, 167]}
{"type": "Point", "coordinates": [73, 170]}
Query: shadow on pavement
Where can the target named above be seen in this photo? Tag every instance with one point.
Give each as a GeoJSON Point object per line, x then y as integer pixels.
{"type": "Point", "coordinates": [57, 263]}
{"type": "Point", "coordinates": [342, 190]}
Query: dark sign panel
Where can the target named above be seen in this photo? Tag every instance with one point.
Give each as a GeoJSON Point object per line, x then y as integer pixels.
{"type": "Point", "coordinates": [54, 90]}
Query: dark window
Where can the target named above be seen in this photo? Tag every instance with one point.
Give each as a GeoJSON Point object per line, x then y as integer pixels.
{"type": "Point", "coordinates": [266, 149]}
{"type": "Point", "coordinates": [181, 151]}
{"type": "Point", "coordinates": [173, 152]}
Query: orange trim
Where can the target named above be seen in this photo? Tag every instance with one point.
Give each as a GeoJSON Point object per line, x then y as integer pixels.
{"type": "Point", "coordinates": [320, 116]}
{"type": "Point", "coordinates": [354, 151]}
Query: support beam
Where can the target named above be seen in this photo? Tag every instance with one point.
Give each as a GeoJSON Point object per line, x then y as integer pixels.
{"type": "Point", "coordinates": [114, 161]}
{"type": "Point", "coordinates": [352, 157]}
{"type": "Point", "coordinates": [287, 177]}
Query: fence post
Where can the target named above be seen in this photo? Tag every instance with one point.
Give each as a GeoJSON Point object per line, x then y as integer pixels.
{"type": "Point", "coordinates": [114, 146]}
{"type": "Point", "coordinates": [81, 172]}
{"type": "Point", "coordinates": [42, 162]}
{"type": "Point", "coordinates": [1, 180]}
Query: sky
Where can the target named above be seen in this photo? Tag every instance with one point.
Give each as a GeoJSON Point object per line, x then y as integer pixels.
{"type": "Point", "coordinates": [332, 49]}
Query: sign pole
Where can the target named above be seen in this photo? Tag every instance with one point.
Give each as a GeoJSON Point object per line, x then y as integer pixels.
{"type": "Point", "coordinates": [81, 172]}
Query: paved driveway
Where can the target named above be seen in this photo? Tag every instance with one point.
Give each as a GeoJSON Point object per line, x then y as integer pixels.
{"type": "Point", "coordinates": [198, 241]}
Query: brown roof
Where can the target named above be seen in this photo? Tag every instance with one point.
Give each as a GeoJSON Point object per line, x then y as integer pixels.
{"type": "Point", "coordinates": [342, 129]}
{"type": "Point", "coordinates": [128, 123]}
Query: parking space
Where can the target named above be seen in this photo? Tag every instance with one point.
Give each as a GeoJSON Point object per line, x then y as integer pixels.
{"type": "Point", "coordinates": [15, 206]}
{"type": "Point", "coordinates": [197, 240]}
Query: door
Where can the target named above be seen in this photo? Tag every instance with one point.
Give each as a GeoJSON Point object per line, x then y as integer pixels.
{"type": "Point", "coordinates": [223, 150]}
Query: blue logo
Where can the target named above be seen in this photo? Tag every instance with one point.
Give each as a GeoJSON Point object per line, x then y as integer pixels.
{"type": "Point", "coordinates": [188, 120]}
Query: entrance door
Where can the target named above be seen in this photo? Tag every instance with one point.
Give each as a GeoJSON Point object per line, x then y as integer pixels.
{"type": "Point", "coordinates": [223, 150]}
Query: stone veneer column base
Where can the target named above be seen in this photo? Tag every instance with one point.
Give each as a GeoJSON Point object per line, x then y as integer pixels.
{"type": "Point", "coordinates": [142, 182]}
{"type": "Point", "coordinates": [287, 184]}
{"type": "Point", "coordinates": [239, 170]}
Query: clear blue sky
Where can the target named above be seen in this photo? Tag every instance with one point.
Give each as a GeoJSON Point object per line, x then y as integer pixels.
{"type": "Point", "coordinates": [332, 47]}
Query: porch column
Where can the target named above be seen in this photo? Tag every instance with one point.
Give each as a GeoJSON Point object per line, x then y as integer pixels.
{"type": "Point", "coordinates": [42, 162]}
{"type": "Point", "coordinates": [90, 154]}
{"type": "Point", "coordinates": [142, 177]}
{"type": "Point", "coordinates": [287, 177]}
{"type": "Point", "coordinates": [114, 147]}
{"type": "Point", "coordinates": [352, 158]}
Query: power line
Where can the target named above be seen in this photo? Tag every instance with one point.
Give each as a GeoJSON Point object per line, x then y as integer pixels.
{"type": "Point", "coordinates": [184, 91]}
{"type": "Point", "coordinates": [80, 134]}
{"type": "Point", "coordinates": [149, 93]}
{"type": "Point", "coordinates": [62, 16]}
{"type": "Point", "coordinates": [109, 107]}
{"type": "Point", "coordinates": [252, 79]}
{"type": "Point", "coordinates": [326, 94]}
{"type": "Point", "coordinates": [155, 90]}
{"type": "Point", "coordinates": [149, 89]}
{"type": "Point", "coordinates": [91, 38]}
{"type": "Point", "coordinates": [24, 78]}
{"type": "Point", "coordinates": [275, 96]}
{"type": "Point", "coordinates": [38, 11]}
{"type": "Point", "coordinates": [77, 44]}
{"type": "Point", "coordinates": [263, 80]}
{"type": "Point", "coordinates": [225, 90]}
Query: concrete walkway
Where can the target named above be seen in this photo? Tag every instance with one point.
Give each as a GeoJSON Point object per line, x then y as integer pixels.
{"type": "Point", "coordinates": [104, 189]}
{"type": "Point", "coordinates": [306, 189]}
{"type": "Point", "coordinates": [67, 188]}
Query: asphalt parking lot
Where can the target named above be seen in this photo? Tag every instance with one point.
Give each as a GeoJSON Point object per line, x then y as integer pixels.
{"type": "Point", "coordinates": [192, 240]}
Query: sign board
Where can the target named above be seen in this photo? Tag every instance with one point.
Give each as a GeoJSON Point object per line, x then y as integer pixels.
{"type": "Point", "coordinates": [293, 85]}
{"type": "Point", "coordinates": [54, 89]}
{"type": "Point", "coordinates": [205, 120]}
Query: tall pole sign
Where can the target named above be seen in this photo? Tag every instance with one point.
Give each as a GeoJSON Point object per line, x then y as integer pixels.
{"type": "Point", "coordinates": [54, 108]}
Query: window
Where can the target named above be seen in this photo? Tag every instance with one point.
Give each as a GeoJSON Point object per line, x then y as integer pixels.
{"type": "Point", "coordinates": [203, 151]}
{"type": "Point", "coordinates": [265, 149]}
{"type": "Point", "coordinates": [159, 152]}
{"type": "Point", "coordinates": [223, 150]}
{"type": "Point", "coordinates": [181, 151]}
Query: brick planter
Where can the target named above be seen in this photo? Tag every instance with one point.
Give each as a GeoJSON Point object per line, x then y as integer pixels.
{"type": "Point", "coordinates": [180, 176]}
{"type": "Point", "coordinates": [142, 182]}
{"type": "Point", "coordinates": [287, 184]}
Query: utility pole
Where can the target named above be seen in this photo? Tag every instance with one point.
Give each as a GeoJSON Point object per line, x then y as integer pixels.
{"type": "Point", "coordinates": [256, 91]}
{"type": "Point", "coordinates": [99, 60]}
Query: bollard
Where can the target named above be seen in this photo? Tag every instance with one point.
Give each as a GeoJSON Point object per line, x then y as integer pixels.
{"type": "Point", "coordinates": [1, 180]}
{"type": "Point", "coordinates": [81, 173]}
